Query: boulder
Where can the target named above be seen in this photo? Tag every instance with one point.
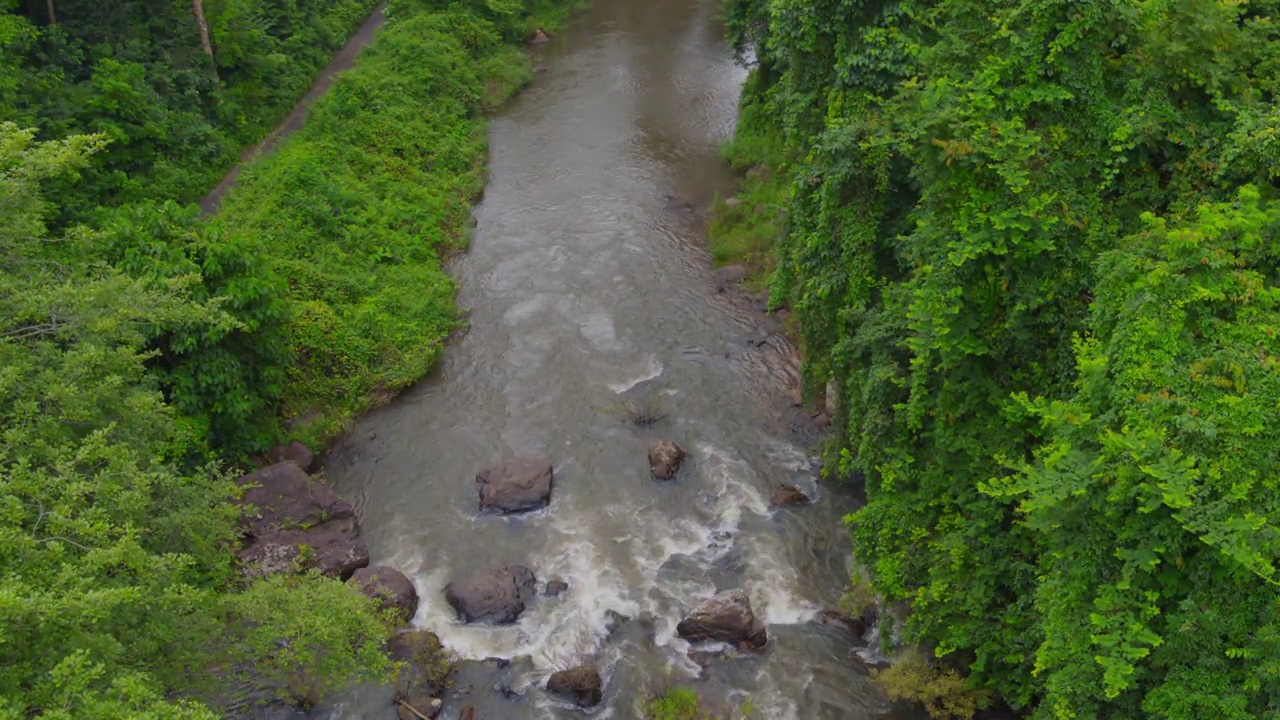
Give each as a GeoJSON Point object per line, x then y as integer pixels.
{"type": "Point", "coordinates": [788, 495]}
{"type": "Point", "coordinates": [854, 625]}
{"type": "Point", "coordinates": [517, 485]}
{"type": "Point", "coordinates": [294, 452]}
{"type": "Point", "coordinates": [554, 587]}
{"type": "Point", "coordinates": [730, 275]}
{"type": "Point", "coordinates": [540, 37]}
{"type": "Point", "coordinates": [390, 588]}
{"type": "Point", "coordinates": [333, 551]}
{"type": "Point", "coordinates": [427, 664]}
{"type": "Point", "coordinates": [418, 707]}
{"type": "Point", "coordinates": [665, 458]}
{"type": "Point", "coordinates": [733, 201]}
{"type": "Point", "coordinates": [293, 523]}
{"type": "Point", "coordinates": [495, 595]}
{"type": "Point", "coordinates": [282, 497]}
{"type": "Point", "coordinates": [727, 617]}
{"type": "Point", "coordinates": [582, 684]}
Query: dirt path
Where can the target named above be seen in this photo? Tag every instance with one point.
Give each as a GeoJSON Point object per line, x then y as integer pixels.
{"type": "Point", "coordinates": [341, 61]}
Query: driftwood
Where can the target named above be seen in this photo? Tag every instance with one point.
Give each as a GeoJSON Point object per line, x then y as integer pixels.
{"type": "Point", "coordinates": [411, 709]}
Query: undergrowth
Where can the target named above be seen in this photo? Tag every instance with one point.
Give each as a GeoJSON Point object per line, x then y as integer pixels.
{"type": "Point", "coordinates": [358, 209]}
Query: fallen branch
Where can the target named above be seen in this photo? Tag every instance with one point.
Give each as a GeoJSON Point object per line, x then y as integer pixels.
{"type": "Point", "coordinates": [411, 709]}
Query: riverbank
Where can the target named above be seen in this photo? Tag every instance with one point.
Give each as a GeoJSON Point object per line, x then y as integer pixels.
{"type": "Point", "coordinates": [356, 211]}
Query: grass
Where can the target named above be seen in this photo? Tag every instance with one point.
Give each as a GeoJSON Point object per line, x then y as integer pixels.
{"type": "Point", "coordinates": [745, 233]}
{"type": "Point", "coordinates": [358, 209]}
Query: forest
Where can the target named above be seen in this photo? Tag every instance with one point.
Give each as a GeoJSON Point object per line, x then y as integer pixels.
{"type": "Point", "coordinates": [146, 352]}
{"type": "Point", "coordinates": [1033, 247]}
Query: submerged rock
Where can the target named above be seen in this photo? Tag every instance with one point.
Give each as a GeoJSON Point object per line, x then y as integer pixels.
{"type": "Point", "coordinates": [294, 452]}
{"type": "Point", "coordinates": [788, 495]}
{"type": "Point", "coordinates": [517, 485]}
{"type": "Point", "coordinates": [390, 588]}
{"type": "Point", "coordinates": [582, 684]}
{"type": "Point", "coordinates": [665, 459]}
{"type": "Point", "coordinates": [727, 617]}
{"type": "Point", "coordinates": [293, 523]}
{"type": "Point", "coordinates": [495, 595]}
{"type": "Point", "coordinates": [554, 587]}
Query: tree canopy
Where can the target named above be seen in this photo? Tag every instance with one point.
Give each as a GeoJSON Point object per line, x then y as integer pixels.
{"type": "Point", "coordinates": [1035, 246]}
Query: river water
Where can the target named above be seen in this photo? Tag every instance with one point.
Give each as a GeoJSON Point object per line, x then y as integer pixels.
{"type": "Point", "coordinates": [589, 288]}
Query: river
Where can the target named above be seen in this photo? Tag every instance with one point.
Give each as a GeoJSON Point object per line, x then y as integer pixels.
{"type": "Point", "coordinates": [588, 288]}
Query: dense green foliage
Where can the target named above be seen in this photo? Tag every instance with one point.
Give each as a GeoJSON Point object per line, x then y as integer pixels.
{"type": "Point", "coordinates": [117, 584]}
{"type": "Point", "coordinates": [1036, 246]}
{"type": "Point", "coordinates": [141, 346]}
{"type": "Point", "coordinates": [357, 210]}
{"type": "Point", "coordinates": [682, 703]}
{"type": "Point", "coordinates": [136, 72]}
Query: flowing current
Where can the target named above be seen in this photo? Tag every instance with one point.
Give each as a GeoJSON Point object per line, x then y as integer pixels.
{"type": "Point", "coordinates": [589, 289]}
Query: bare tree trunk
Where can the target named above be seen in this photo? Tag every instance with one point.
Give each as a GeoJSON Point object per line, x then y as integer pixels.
{"type": "Point", "coordinates": [53, 11]}
{"type": "Point", "coordinates": [197, 7]}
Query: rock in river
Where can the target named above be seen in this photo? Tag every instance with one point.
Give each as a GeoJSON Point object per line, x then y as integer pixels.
{"type": "Point", "coordinates": [730, 275]}
{"type": "Point", "coordinates": [555, 587]}
{"type": "Point", "coordinates": [294, 523]}
{"type": "Point", "coordinates": [665, 458]}
{"type": "Point", "coordinates": [786, 496]}
{"type": "Point", "coordinates": [495, 595]}
{"type": "Point", "coordinates": [390, 588]}
{"type": "Point", "coordinates": [295, 452]}
{"type": "Point", "coordinates": [727, 617]}
{"type": "Point", "coordinates": [517, 485]}
{"type": "Point", "coordinates": [581, 684]}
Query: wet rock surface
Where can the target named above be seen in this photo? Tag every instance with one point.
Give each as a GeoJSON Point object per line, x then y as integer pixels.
{"type": "Point", "coordinates": [293, 523]}
{"type": "Point", "coordinates": [856, 625]}
{"type": "Point", "coordinates": [583, 685]}
{"type": "Point", "coordinates": [390, 588]}
{"type": "Point", "coordinates": [665, 459]}
{"type": "Point", "coordinates": [555, 587]}
{"type": "Point", "coordinates": [727, 617]}
{"type": "Point", "coordinates": [517, 485]}
{"type": "Point", "coordinates": [787, 496]}
{"type": "Point", "coordinates": [418, 707]}
{"type": "Point", "coordinates": [495, 595]}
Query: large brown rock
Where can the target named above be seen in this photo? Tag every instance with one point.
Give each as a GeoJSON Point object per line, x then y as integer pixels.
{"type": "Point", "coordinates": [390, 588]}
{"type": "Point", "coordinates": [418, 707]}
{"type": "Point", "coordinates": [427, 665]}
{"type": "Point", "coordinates": [517, 485]}
{"type": "Point", "coordinates": [582, 685]}
{"type": "Point", "coordinates": [333, 552]}
{"type": "Point", "coordinates": [727, 617]}
{"type": "Point", "coordinates": [294, 452]}
{"type": "Point", "coordinates": [282, 497]}
{"type": "Point", "coordinates": [788, 495]}
{"type": "Point", "coordinates": [495, 595]}
{"type": "Point", "coordinates": [292, 523]}
{"type": "Point", "coordinates": [665, 459]}
{"type": "Point", "coordinates": [856, 625]}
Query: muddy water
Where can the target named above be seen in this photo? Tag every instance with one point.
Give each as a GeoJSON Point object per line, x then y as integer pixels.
{"type": "Point", "coordinates": [588, 288]}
